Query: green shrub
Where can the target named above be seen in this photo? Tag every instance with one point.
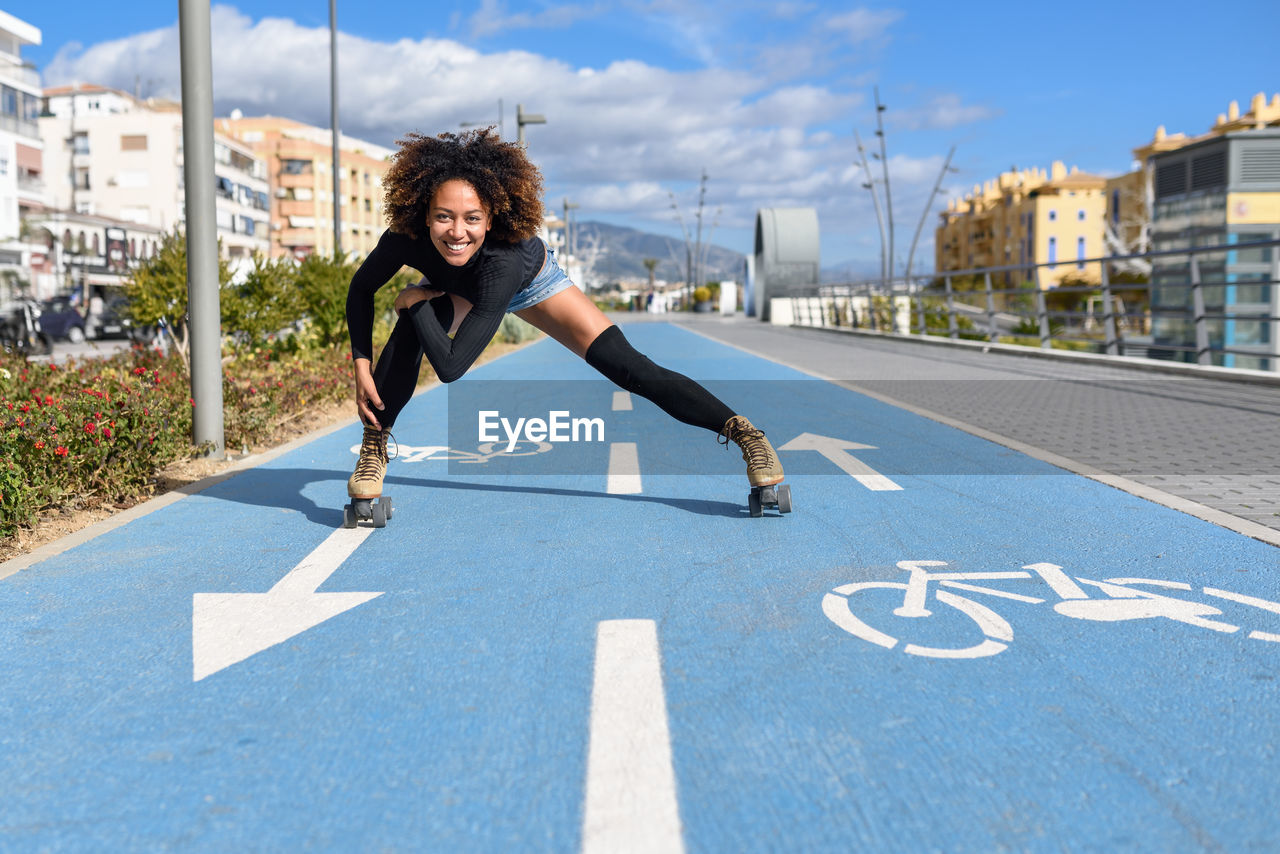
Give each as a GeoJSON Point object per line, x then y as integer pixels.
{"type": "Point", "coordinates": [264, 303]}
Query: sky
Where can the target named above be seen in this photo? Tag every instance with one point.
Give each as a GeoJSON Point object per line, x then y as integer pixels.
{"type": "Point", "coordinates": [643, 96]}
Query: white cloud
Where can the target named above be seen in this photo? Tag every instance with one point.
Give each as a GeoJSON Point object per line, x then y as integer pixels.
{"type": "Point", "coordinates": [863, 25]}
{"type": "Point", "coordinates": [941, 112]}
{"type": "Point", "coordinates": [492, 17]}
{"type": "Point", "coordinates": [617, 138]}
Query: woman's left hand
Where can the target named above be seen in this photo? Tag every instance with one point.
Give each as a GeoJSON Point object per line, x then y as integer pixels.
{"type": "Point", "coordinates": [413, 295]}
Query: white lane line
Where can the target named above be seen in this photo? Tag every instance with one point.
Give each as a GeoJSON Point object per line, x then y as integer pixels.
{"type": "Point", "coordinates": [624, 469]}
{"type": "Point", "coordinates": [621, 401]}
{"type": "Point", "coordinates": [631, 785]}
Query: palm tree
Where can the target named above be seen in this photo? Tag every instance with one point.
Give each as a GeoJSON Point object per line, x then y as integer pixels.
{"type": "Point", "coordinates": [650, 264]}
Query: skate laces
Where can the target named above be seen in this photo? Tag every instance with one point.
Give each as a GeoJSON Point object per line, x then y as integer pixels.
{"type": "Point", "coordinates": [755, 450]}
{"type": "Point", "coordinates": [373, 453]}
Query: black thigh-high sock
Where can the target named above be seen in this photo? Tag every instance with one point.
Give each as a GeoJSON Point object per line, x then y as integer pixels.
{"type": "Point", "coordinates": [677, 395]}
{"type": "Point", "coordinates": [396, 374]}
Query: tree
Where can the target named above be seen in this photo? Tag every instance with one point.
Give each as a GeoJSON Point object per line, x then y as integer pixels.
{"type": "Point", "coordinates": [322, 282]}
{"type": "Point", "coordinates": [157, 290]}
{"type": "Point", "coordinates": [650, 264]}
{"type": "Point", "coordinates": [265, 302]}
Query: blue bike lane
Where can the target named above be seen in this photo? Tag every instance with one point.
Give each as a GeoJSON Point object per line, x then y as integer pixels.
{"type": "Point", "coordinates": [535, 656]}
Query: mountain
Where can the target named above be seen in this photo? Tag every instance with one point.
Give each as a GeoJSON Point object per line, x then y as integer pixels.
{"type": "Point", "coordinates": [620, 253]}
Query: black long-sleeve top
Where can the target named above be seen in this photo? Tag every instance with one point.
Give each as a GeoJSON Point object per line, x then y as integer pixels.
{"type": "Point", "coordinates": [488, 281]}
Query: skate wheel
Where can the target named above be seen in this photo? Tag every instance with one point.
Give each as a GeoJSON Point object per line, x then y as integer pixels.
{"type": "Point", "coordinates": [784, 499]}
{"type": "Point", "coordinates": [379, 515]}
{"type": "Point", "coordinates": [753, 505]}
{"type": "Point", "coordinates": [348, 517]}
{"type": "Point", "coordinates": [386, 502]}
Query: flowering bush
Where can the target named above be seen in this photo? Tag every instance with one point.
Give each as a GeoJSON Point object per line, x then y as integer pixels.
{"type": "Point", "coordinates": [102, 430]}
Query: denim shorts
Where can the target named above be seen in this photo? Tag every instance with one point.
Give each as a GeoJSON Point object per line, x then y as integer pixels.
{"type": "Point", "coordinates": [550, 281]}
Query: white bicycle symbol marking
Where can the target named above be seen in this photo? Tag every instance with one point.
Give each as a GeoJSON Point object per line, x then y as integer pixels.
{"type": "Point", "coordinates": [1125, 602]}
{"type": "Point", "coordinates": [482, 453]}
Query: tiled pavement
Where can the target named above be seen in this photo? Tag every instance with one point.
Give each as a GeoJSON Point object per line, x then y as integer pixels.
{"type": "Point", "coordinates": [1201, 439]}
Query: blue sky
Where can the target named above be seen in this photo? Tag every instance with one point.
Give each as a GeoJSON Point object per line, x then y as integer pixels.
{"type": "Point", "coordinates": [641, 95]}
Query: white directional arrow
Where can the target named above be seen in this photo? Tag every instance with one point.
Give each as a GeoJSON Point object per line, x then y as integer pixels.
{"type": "Point", "coordinates": [227, 628]}
{"type": "Point", "coordinates": [837, 450]}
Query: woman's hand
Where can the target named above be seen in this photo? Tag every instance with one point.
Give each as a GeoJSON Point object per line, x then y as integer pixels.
{"type": "Point", "coordinates": [367, 399]}
{"type": "Point", "coordinates": [415, 294]}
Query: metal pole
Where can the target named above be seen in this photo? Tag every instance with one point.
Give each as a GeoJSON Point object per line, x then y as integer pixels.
{"type": "Point", "coordinates": [992, 332]}
{"type": "Point", "coordinates": [1203, 356]}
{"type": "Point", "coordinates": [884, 158]}
{"type": "Point", "coordinates": [953, 328]}
{"type": "Point", "coordinates": [937, 185]}
{"type": "Point", "coordinates": [1109, 314]}
{"type": "Point", "coordinates": [333, 123]}
{"type": "Point", "coordinates": [202, 234]}
{"type": "Point", "coordinates": [875, 200]}
{"type": "Point", "coordinates": [1042, 311]}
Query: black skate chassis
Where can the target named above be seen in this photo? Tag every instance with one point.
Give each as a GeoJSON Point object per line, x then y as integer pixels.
{"type": "Point", "coordinates": [377, 511]}
{"type": "Point", "coordinates": [775, 495]}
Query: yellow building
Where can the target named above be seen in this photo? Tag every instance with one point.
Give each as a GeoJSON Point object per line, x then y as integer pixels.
{"type": "Point", "coordinates": [1027, 217]}
{"type": "Point", "coordinates": [300, 165]}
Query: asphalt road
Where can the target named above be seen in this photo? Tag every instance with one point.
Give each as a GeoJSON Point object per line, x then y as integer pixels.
{"type": "Point", "coordinates": [590, 645]}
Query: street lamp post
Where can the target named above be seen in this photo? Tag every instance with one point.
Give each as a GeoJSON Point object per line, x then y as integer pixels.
{"type": "Point", "coordinates": [522, 119]}
{"type": "Point", "coordinates": [333, 121]}
{"type": "Point", "coordinates": [568, 237]}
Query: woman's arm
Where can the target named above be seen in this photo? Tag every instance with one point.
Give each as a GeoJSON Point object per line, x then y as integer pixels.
{"type": "Point", "coordinates": [376, 270]}
{"type": "Point", "coordinates": [500, 278]}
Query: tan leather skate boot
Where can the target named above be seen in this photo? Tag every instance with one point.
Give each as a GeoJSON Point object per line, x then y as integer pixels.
{"type": "Point", "coordinates": [371, 468]}
{"type": "Point", "coordinates": [763, 468]}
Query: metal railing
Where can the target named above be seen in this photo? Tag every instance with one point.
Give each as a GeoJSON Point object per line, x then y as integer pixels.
{"type": "Point", "coordinates": [1190, 311]}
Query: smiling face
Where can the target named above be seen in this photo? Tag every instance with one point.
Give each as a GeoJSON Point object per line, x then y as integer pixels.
{"type": "Point", "coordinates": [457, 221]}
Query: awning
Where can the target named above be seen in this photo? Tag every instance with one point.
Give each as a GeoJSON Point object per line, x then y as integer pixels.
{"type": "Point", "coordinates": [30, 159]}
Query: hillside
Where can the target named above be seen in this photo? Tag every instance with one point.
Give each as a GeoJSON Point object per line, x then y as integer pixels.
{"type": "Point", "coordinates": [621, 252]}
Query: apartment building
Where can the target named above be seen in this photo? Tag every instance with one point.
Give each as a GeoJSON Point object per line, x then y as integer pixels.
{"type": "Point", "coordinates": [1220, 188]}
{"type": "Point", "coordinates": [110, 154]}
{"type": "Point", "coordinates": [1023, 218]}
{"type": "Point", "coordinates": [21, 187]}
{"type": "Point", "coordinates": [299, 160]}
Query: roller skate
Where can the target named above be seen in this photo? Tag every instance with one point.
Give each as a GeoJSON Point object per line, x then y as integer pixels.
{"type": "Point", "coordinates": [365, 484]}
{"type": "Point", "coordinates": [763, 469]}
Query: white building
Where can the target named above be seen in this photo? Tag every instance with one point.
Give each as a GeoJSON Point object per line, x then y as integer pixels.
{"type": "Point", "coordinates": [20, 159]}
{"type": "Point", "coordinates": [110, 154]}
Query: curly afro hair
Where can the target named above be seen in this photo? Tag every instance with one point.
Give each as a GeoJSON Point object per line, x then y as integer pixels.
{"type": "Point", "coordinates": [504, 178]}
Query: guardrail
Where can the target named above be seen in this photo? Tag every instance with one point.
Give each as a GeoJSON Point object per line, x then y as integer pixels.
{"type": "Point", "coordinates": [1189, 310]}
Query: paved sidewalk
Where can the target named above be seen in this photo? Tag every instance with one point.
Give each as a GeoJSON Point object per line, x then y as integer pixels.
{"type": "Point", "coordinates": [1197, 440]}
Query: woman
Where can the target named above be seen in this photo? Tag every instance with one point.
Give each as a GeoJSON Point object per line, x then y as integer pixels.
{"type": "Point", "coordinates": [464, 210]}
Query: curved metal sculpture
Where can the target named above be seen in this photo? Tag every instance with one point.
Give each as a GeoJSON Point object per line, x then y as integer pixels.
{"type": "Point", "coordinates": [787, 255]}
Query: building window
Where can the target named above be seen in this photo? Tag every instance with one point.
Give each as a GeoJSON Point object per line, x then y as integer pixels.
{"type": "Point", "coordinates": [295, 167]}
{"type": "Point", "coordinates": [1080, 256]}
{"type": "Point", "coordinates": [80, 143]}
{"type": "Point", "coordinates": [1080, 216]}
{"type": "Point", "coordinates": [1053, 215]}
{"type": "Point", "coordinates": [133, 142]}
{"type": "Point", "coordinates": [1053, 250]}
{"type": "Point", "coordinates": [1115, 205]}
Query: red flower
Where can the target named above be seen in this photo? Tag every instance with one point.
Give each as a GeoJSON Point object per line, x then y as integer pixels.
{"type": "Point", "coordinates": [60, 451]}
{"type": "Point", "coordinates": [106, 432]}
{"type": "Point", "coordinates": [139, 371]}
{"type": "Point", "coordinates": [39, 445]}
{"type": "Point", "coordinates": [89, 427]}
{"type": "Point", "coordinates": [26, 407]}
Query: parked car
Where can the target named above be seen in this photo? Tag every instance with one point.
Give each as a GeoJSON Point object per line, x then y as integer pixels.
{"type": "Point", "coordinates": [20, 330]}
{"type": "Point", "coordinates": [114, 322]}
{"type": "Point", "coordinates": [59, 318]}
